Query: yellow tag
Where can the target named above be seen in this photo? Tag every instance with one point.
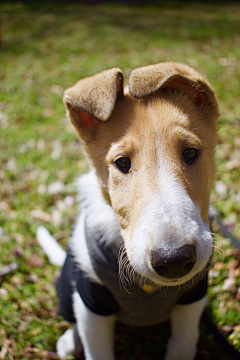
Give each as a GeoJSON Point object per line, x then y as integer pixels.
{"type": "Point", "coordinates": [148, 288]}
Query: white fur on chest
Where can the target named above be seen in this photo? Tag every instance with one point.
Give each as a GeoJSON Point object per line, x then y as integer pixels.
{"type": "Point", "coordinates": [100, 215]}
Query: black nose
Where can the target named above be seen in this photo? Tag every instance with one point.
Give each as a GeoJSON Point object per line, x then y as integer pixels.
{"type": "Point", "coordinates": [174, 263]}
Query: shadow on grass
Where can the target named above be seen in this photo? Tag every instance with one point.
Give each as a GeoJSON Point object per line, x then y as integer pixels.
{"type": "Point", "coordinates": [174, 21]}
{"type": "Point", "coordinates": [150, 343]}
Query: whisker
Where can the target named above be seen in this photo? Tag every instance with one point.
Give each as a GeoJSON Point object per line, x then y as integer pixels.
{"type": "Point", "coordinates": [220, 250]}
{"type": "Point", "coordinates": [126, 271]}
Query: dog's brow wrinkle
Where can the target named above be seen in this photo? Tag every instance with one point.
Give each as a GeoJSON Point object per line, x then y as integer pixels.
{"type": "Point", "coordinates": [161, 162]}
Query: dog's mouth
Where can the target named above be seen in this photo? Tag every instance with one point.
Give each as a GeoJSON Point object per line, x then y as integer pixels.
{"type": "Point", "coordinates": [128, 275]}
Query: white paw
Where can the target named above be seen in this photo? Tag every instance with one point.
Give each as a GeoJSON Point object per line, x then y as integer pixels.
{"type": "Point", "coordinates": [68, 344]}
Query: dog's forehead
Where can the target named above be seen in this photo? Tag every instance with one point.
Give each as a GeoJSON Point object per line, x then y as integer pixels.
{"type": "Point", "coordinates": [154, 114]}
{"type": "Point", "coordinates": [143, 126]}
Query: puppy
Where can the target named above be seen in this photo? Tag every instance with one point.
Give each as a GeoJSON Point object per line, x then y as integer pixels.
{"type": "Point", "coordinates": [141, 247]}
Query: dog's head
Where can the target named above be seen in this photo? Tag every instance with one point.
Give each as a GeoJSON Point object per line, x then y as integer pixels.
{"type": "Point", "coordinates": [152, 147]}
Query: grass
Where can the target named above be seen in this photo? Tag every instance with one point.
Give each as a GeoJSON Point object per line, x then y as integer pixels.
{"type": "Point", "coordinates": [46, 47]}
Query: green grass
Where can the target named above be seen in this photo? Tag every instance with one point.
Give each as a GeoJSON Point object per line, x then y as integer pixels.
{"type": "Point", "coordinates": [47, 47]}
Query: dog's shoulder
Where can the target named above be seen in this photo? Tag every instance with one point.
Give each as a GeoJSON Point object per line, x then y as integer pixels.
{"type": "Point", "coordinates": [88, 189]}
{"type": "Point", "coordinates": [99, 218]}
{"type": "Point", "coordinates": [98, 213]}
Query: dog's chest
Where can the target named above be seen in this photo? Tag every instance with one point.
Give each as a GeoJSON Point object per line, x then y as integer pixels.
{"type": "Point", "coordinates": [133, 302]}
{"type": "Point", "coordinates": [137, 305]}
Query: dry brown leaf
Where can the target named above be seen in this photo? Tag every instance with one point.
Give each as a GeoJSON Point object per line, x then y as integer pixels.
{"type": "Point", "coordinates": [226, 330]}
{"type": "Point", "coordinates": [42, 188]}
{"type": "Point", "coordinates": [18, 238]}
{"type": "Point", "coordinates": [55, 187]}
{"type": "Point", "coordinates": [57, 89]}
{"type": "Point", "coordinates": [237, 273]}
{"type": "Point", "coordinates": [40, 144]}
{"type": "Point", "coordinates": [219, 266]}
{"type": "Point", "coordinates": [36, 261]}
{"type": "Point", "coordinates": [232, 164]}
{"type": "Point", "coordinates": [23, 326]}
{"type": "Point", "coordinates": [2, 174]}
{"type": "Point", "coordinates": [56, 217]}
{"type": "Point", "coordinates": [4, 206]}
{"type": "Point", "coordinates": [41, 215]}
{"type": "Point", "coordinates": [16, 280]}
{"type": "Point", "coordinates": [8, 348]}
{"type": "Point", "coordinates": [11, 164]}
{"type": "Point", "coordinates": [57, 149]}
{"type": "Point", "coordinates": [62, 324]}
{"type": "Point", "coordinates": [228, 284]}
{"type": "Point", "coordinates": [234, 264]}
{"type": "Point", "coordinates": [4, 350]}
{"type": "Point", "coordinates": [232, 252]}
{"type": "Point", "coordinates": [237, 142]}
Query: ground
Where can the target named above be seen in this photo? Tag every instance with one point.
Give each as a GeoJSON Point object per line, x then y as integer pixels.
{"type": "Point", "coordinates": [45, 48]}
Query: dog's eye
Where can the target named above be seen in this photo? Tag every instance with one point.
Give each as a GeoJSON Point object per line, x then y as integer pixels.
{"type": "Point", "coordinates": [190, 155]}
{"type": "Point", "coordinates": [123, 164]}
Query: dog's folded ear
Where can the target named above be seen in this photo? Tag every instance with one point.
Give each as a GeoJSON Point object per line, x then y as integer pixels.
{"type": "Point", "coordinates": [92, 100]}
{"type": "Point", "coordinates": [147, 80]}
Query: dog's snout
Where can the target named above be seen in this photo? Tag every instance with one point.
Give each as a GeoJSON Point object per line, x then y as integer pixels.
{"type": "Point", "coordinates": [173, 263]}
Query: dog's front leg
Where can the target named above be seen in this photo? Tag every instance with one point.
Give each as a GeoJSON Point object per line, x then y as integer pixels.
{"type": "Point", "coordinates": [96, 332]}
{"type": "Point", "coordinates": [185, 331]}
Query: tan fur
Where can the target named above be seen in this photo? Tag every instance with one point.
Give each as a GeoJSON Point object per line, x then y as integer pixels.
{"type": "Point", "coordinates": [135, 138]}
{"type": "Point", "coordinates": [87, 97]}
{"type": "Point", "coordinates": [162, 201]}
{"type": "Point", "coordinates": [147, 80]}
{"type": "Point", "coordinates": [170, 114]}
